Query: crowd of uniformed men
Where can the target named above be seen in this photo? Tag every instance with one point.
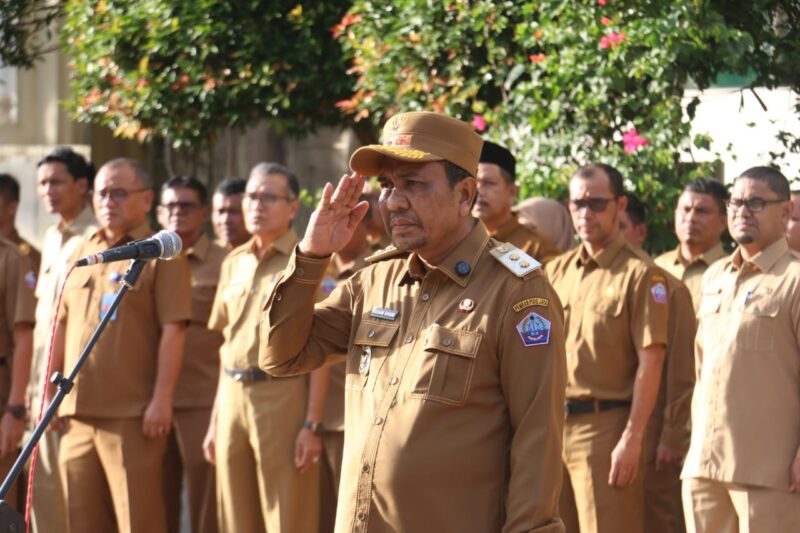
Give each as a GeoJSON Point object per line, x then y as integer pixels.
{"type": "Point", "coordinates": [486, 371]}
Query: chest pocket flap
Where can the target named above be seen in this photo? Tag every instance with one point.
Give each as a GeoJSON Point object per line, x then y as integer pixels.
{"type": "Point", "coordinates": [609, 306]}
{"type": "Point", "coordinates": [710, 301]}
{"type": "Point", "coordinates": [373, 333]}
{"type": "Point", "coordinates": [446, 369]}
{"type": "Point", "coordinates": [456, 342]}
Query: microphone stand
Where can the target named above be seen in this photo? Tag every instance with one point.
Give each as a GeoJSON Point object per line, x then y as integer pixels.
{"type": "Point", "coordinates": [10, 520]}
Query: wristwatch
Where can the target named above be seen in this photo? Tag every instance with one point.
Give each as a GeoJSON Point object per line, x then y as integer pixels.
{"type": "Point", "coordinates": [18, 411]}
{"type": "Point", "coordinates": [316, 427]}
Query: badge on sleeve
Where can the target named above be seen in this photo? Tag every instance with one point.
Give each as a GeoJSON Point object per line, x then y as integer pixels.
{"type": "Point", "coordinates": [328, 284]}
{"type": "Point", "coordinates": [534, 330]}
{"type": "Point", "coordinates": [105, 304]}
{"type": "Point", "coordinates": [659, 293]}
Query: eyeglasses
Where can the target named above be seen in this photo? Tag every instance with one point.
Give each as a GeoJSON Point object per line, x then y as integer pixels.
{"type": "Point", "coordinates": [264, 199]}
{"type": "Point", "coordinates": [116, 195]}
{"type": "Point", "coordinates": [754, 205]}
{"type": "Point", "coordinates": [180, 206]}
{"type": "Point", "coordinates": [595, 205]}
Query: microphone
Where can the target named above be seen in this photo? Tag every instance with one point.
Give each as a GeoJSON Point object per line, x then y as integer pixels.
{"type": "Point", "coordinates": [163, 245]}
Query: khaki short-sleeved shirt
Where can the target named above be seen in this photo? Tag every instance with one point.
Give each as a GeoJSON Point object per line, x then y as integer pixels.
{"type": "Point", "coordinates": [118, 378]}
{"type": "Point", "coordinates": [333, 413]}
{"type": "Point", "coordinates": [615, 304]}
{"type": "Point", "coordinates": [199, 375]}
{"type": "Point", "coordinates": [746, 405]}
{"type": "Point", "coordinates": [454, 387]}
{"type": "Point", "coordinates": [18, 301]}
{"type": "Point", "coordinates": [33, 256]}
{"type": "Point", "coordinates": [526, 239]}
{"type": "Point", "coordinates": [244, 284]}
{"type": "Point", "coordinates": [690, 273]}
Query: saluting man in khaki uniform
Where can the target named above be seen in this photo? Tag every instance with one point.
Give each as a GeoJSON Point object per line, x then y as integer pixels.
{"type": "Point", "coordinates": [264, 433]}
{"type": "Point", "coordinates": [63, 182]}
{"type": "Point", "coordinates": [497, 192]}
{"type": "Point", "coordinates": [742, 472]}
{"type": "Point", "coordinates": [120, 410]}
{"type": "Point", "coordinates": [184, 210]}
{"type": "Point", "coordinates": [454, 346]}
{"type": "Point", "coordinates": [699, 224]}
{"type": "Point", "coordinates": [667, 436]}
{"type": "Point", "coordinates": [616, 314]}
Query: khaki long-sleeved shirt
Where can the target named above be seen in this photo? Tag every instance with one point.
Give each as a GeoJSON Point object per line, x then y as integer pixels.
{"type": "Point", "coordinates": [454, 387]}
{"type": "Point", "coordinates": [691, 273]}
{"type": "Point", "coordinates": [746, 405]}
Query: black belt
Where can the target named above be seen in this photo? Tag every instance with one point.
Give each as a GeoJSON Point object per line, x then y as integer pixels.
{"type": "Point", "coordinates": [580, 407]}
{"type": "Point", "coordinates": [246, 375]}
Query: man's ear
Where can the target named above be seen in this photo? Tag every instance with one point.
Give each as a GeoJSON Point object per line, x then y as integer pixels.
{"type": "Point", "coordinates": [467, 189]}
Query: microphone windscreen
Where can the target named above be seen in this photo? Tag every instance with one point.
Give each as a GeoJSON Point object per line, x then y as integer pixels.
{"type": "Point", "coordinates": [171, 244]}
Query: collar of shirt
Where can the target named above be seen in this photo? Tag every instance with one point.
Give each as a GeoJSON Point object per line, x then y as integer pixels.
{"type": "Point", "coordinates": [467, 251]}
{"type": "Point", "coordinates": [765, 259]}
{"type": "Point", "coordinates": [141, 231]}
{"type": "Point", "coordinates": [506, 228]}
{"type": "Point", "coordinates": [708, 257]}
{"type": "Point", "coordinates": [82, 222]}
{"type": "Point", "coordinates": [606, 256]}
{"type": "Point", "coordinates": [283, 244]}
{"type": "Point", "coordinates": [199, 250]}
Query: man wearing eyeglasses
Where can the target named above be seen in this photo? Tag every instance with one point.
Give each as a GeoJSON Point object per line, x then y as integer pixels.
{"type": "Point", "coordinates": [616, 311]}
{"type": "Point", "coordinates": [184, 210]}
{"type": "Point", "coordinates": [264, 434]}
{"type": "Point", "coordinates": [742, 471]}
{"type": "Point", "coordinates": [119, 413]}
{"type": "Point", "coordinates": [699, 224]}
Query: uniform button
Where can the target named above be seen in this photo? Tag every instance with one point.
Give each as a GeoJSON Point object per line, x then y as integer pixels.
{"type": "Point", "coordinates": [378, 421]}
{"type": "Point", "coordinates": [278, 297]}
{"type": "Point", "coordinates": [447, 342]}
{"type": "Point", "coordinates": [300, 271]}
{"type": "Point", "coordinates": [393, 380]}
{"type": "Point", "coordinates": [361, 515]}
{"type": "Point", "coordinates": [365, 468]}
{"type": "Point", "coordinates": [409, 338]}
{"type": "Point", "coordinates": [426, 297]}
{"type": "Point", "coordinates": [371, 333]}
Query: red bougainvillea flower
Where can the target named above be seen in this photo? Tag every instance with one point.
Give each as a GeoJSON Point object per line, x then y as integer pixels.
{"type": "Point", "coordinates": [633, 141]}
{"type": "Point", "coordinates": [605, 21]}
{"type": "Point", "coordinates": [605, 42]}
{"type": "Point", "coordinates": [537, 58]}
{"type": "Point", "coordinates": [602, 2]}
{"type": "Point", "coordinates": [612, 40]}
{"type": "Point", "coordinates": [479, 123]}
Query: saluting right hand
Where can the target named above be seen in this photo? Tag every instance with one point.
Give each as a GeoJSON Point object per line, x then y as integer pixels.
{"type": "Point", "coordinates": [335, 219]}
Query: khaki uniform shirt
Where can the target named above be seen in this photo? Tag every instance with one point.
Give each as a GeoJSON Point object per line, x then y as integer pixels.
{"type": "Point", "coordinates": [244, 284]}
{"type": "Point", "coordinates": [28, 250]}
{"type": "Point", "coordinates": [746, 406]}
{"type": "Point", "coordinates": [118, 378]}
{"type": "Point", "coordinates": [199, 375]}
{"type": "Point", "coordinates": [615, 304]}
{"type": "Point", "coordinates": [690, 273]}
{"type": "Point", "coordinates": [333, 413]}
{"type": "Point", "coordinates": [454, 387]}
{"type": "Point", "coordinates": [18, 302]}
{"type": "Point", "coordinates": [526, 239]}
{"type": "Point", "coordinates": [60, 242]}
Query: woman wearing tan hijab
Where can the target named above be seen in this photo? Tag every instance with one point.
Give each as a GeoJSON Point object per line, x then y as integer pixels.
{"type": "Point", "coordinates": [550, 218]}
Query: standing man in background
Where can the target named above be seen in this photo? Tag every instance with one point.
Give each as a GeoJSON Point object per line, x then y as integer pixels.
{"type": "Point", "coordinates": [264, 431]}
{"type": "Point", "coordinates": [497, 192]}
{"type": "Point", "coordinates": [119, 413]}
{"type": "Point", "coordinates": [793, 226]}
{"type": "Point", "coordinates": [616, 307]}
{"type": "Point", "coordinates": [9, 202]}
{"type": "Point", "coordinates": [742, 472]}
{"type": "Point", "coordinates": [184, 210]}
{"type": "Point", "coordinates": [226, 213]}
{"type": "Point", "coordinates": [667, 436]}
{"type": "Point", "coordinates": [63, 182]}
{"type": "Point", "coordinates": [699, 224]}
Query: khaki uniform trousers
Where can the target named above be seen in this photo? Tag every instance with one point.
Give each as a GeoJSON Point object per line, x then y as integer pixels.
{"type": "Point", "coordinates": [259, 489]}
{"type": "Point", "coordinates": [589, 440]}
{"type": "Point", "coordinates": [112, 476]}
{"type": "Point", "coordinates": [48, 512]}
{"type": "Point", "coordinates": [184, 462]}
{"type": "Point", "coordinates": [719, 507]}
{"type": "Point", "coordinates": [663, 512]}
{"type": "Point", "coordinates": [330, 474]}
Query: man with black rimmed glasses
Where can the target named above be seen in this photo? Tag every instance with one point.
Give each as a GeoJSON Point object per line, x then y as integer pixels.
{"type": "Point", "coordinates": [616, 313]}
{"type": "Point", "coordinates": [742, 471]}
{"type": "Point", "coordinates": [119, 414]}
{"type": "Point", "coordinates": [264, 435]}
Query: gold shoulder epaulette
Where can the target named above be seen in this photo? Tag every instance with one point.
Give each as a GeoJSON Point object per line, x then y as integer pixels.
{"type": "Point", "coordinates": [514, 259]}
{"type": "Point", "coordinates": [387, 253]}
